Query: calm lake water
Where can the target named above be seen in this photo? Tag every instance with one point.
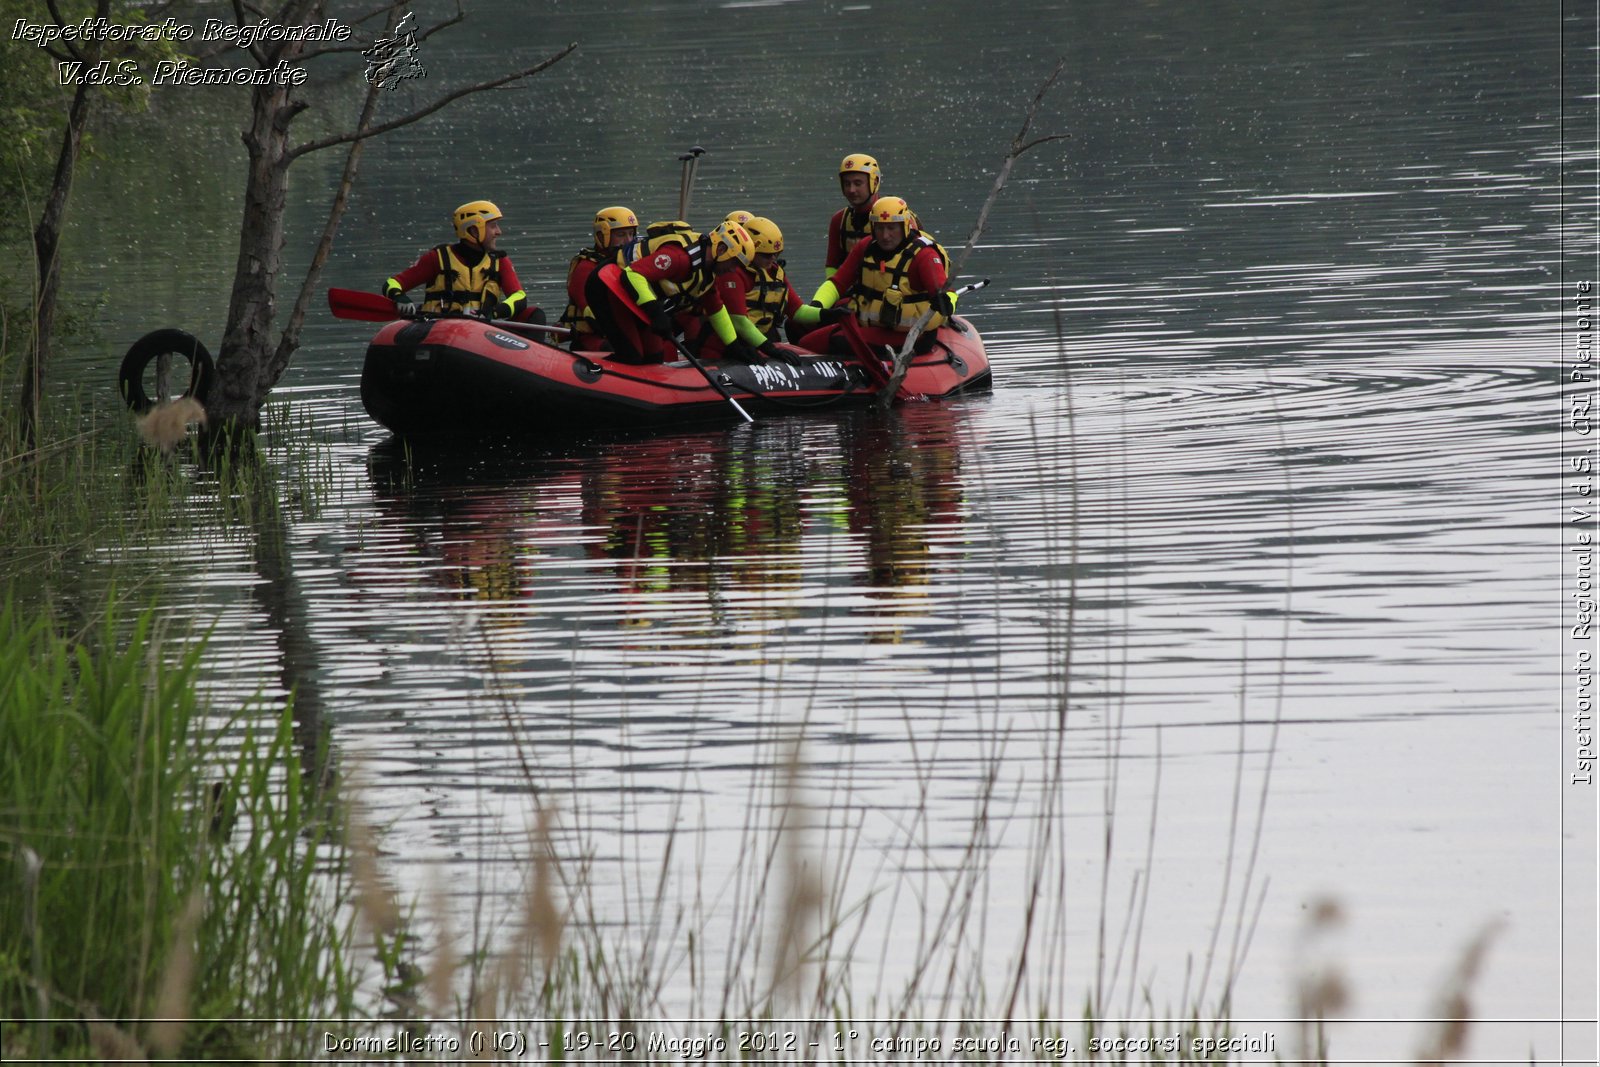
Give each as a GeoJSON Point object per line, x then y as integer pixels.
{"type": "Point", "coordinates": [1265, 506]}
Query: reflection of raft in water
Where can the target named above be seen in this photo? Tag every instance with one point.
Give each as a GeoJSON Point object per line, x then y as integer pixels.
{"type": "Point", "coordinates": [462, 375]}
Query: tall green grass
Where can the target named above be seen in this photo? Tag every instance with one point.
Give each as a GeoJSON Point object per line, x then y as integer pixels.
{"type": "Point", "coordinates": [157, 861]}
{"type": "Point", "coordinates": [146, 874]}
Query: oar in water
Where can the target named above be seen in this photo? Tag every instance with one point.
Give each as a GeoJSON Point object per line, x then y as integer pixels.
{"type": "Point", "coordinates": [902, 359]}
{"type": "Point", "coordinates": [370, 307]}
{"type": "Point", "coordinates": [709, 377]}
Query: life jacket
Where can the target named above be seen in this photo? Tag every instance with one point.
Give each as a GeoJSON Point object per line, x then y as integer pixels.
{"type": "Point", "coordinates": [885, 275]}
{"type": "Point", "coordinates": [676, 296]}
{"type": "Point", "coordinates": [580, 319]}
{"type": "Point", "coordinates": [766, 297]}
{"type": "Point", "coordinates": [656, 234]}
{"type": "Point", "coordinates": [851, 231]}
{"type": "Point", "coordinates": [458, 287]}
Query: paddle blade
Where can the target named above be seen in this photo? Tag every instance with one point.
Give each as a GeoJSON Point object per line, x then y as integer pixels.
{"type": "Point", "coordinates": [871, 362]}
{"type": "Point", "coordinates": [365, 307]}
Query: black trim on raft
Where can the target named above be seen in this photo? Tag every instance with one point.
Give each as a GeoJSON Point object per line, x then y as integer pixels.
{"type": "Point", "coordinates": [130, 376]}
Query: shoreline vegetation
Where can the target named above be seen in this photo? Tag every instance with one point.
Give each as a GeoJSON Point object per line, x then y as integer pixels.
{"type": "Point", "coordinates": [161, 859]}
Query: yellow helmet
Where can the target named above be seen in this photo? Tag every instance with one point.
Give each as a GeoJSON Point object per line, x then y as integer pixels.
{"type": "Point", "coordinates": [612, 218]}
{"type": "Point", "coordinates": [766, 235]}
{"type": "Point", "coordinates": [731, 241]}
{"type": "Point", "coordinates": [474, 215]}
{"type": "Point", "coordinates": [738, 215]}
{"type": "Point", "coordinates": [859, 163]}
{"type": "Point", "coordinates": [893, 209]}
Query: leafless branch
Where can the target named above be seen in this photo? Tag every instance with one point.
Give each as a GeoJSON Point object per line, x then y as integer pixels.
{"type": "Point", "coordinates": [384, 8]}
{"type": "Point", "coordinates": [1019, 145]}
{"type": "Point", "coordinates": [61, 20]}
{"type": "Point", "coordinates": [289, 339]}
{"type": "Point", "coordinates": [423, 112]}
{"type": "Point", "coordinates": [437, 26]}
{"type": "Point", "coordinates": [423, 35]}
{"type": "Point", "coordinates": [256, 51]}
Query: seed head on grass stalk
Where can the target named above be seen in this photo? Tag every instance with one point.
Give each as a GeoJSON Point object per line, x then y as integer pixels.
{"type": "Point", "coordinates": [177, 980]}
{"type": "Point", "coordinates": [1453, 1010]}
{"type": "Point", "coordinates": [375, 900]}
{"type": "Point", "coordinates": [802, 892]}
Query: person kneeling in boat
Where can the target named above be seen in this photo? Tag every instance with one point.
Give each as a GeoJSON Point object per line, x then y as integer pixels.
{"type": "Point", "coordinates": [615, 228]}
{"type": "Point", "coordinates": [471, 276]}
{"type": "Point", "coordinates": [635, 306]}
{"type": "Point", "coordinates": [889, 282]}
{"type": "Point", "coordinates": [759, 297]}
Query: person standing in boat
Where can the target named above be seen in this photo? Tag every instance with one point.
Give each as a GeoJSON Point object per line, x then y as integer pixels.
{"type": "Point", "coordinates": [471, 276]}
{"type": "Point", "coordinates": [859, 177]}
{"type": "Point", "coordinates": [759, 298]}
{"type": "Point", "coordinates": [635, 306]}
{"type": "Point", "coordinates": [615, 228]}
{"type": "Point", "coordinates": [889, 283]}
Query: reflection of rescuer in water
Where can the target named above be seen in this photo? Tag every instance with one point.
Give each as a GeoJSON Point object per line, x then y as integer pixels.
{"type": "Point", "coordinates": [692, 500]}
{"type": "Point", "coordinates": [900, 480]}
{"type": "Point", "coordinates": [486, 539]}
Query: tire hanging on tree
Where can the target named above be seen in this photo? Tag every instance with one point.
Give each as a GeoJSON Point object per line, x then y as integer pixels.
{"type": "Point", "coordinates": [130, 378]}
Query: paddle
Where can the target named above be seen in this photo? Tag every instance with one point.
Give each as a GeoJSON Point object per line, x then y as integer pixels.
{"type": "Point", "coordinates": [366, 307]}
{"type": "Point", "coordinates": [869, 359]}
{"type": "Point", "coordinates": [902, 359]}
{"type": "Point", "coordinates": [370, 307]}
{"type": "Point", "coordinates": [706, 372]}
{"type": "Point", "coordinates": [691, 166]}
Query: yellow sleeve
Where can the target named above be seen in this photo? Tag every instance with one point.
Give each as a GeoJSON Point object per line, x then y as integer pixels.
{"type": "Point", "coordinates": [827, 295]}
{"type": "Point", "coordinates": [748, 330]}
{"type": "Point", "coordinates": [722, 323]}
{"type": "Point", "coordinates": [641, 287]}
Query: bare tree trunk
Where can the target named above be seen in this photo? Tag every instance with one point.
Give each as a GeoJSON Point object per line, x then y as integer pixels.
{"type": "Point", "coordinates": [251, 307]}
{"type": "Point", "coordinates": [289, 341]}
{"type": "Point", "coordinates": [47, 259]}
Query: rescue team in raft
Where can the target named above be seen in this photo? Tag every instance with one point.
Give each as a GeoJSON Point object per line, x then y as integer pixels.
{"type": "Point", "coordinates": [638, 295]}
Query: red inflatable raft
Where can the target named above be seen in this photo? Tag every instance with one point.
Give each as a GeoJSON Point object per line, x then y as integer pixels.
{"type": "Point", "coordinates": [463, 375]}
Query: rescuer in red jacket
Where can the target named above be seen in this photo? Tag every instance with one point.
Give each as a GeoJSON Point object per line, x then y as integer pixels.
{"type": "Point", "coordinates": [471, 276]}
{"type": "Point", "coordinates": [634, 306]}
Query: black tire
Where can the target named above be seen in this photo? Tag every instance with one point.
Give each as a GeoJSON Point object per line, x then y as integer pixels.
{"type": "Point", "coordinates": [143, 352]}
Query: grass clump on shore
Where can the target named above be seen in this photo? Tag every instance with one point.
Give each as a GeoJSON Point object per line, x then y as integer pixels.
{"type": "Point", "coordinates": [137, 882]}
{"type": "Point", "coordinates": [162, 869]}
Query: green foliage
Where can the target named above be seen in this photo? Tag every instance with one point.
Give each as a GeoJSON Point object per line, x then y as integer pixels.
{"type": "Point", "coordinates": [115, 823]}
{"type": "Point", "coordinates": [32, 112]}
{"type": "Point", "coordinates": [33, 121]}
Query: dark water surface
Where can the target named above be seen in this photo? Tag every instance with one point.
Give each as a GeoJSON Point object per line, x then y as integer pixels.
{"type": "Point", "coordinates": [1265, 494]}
